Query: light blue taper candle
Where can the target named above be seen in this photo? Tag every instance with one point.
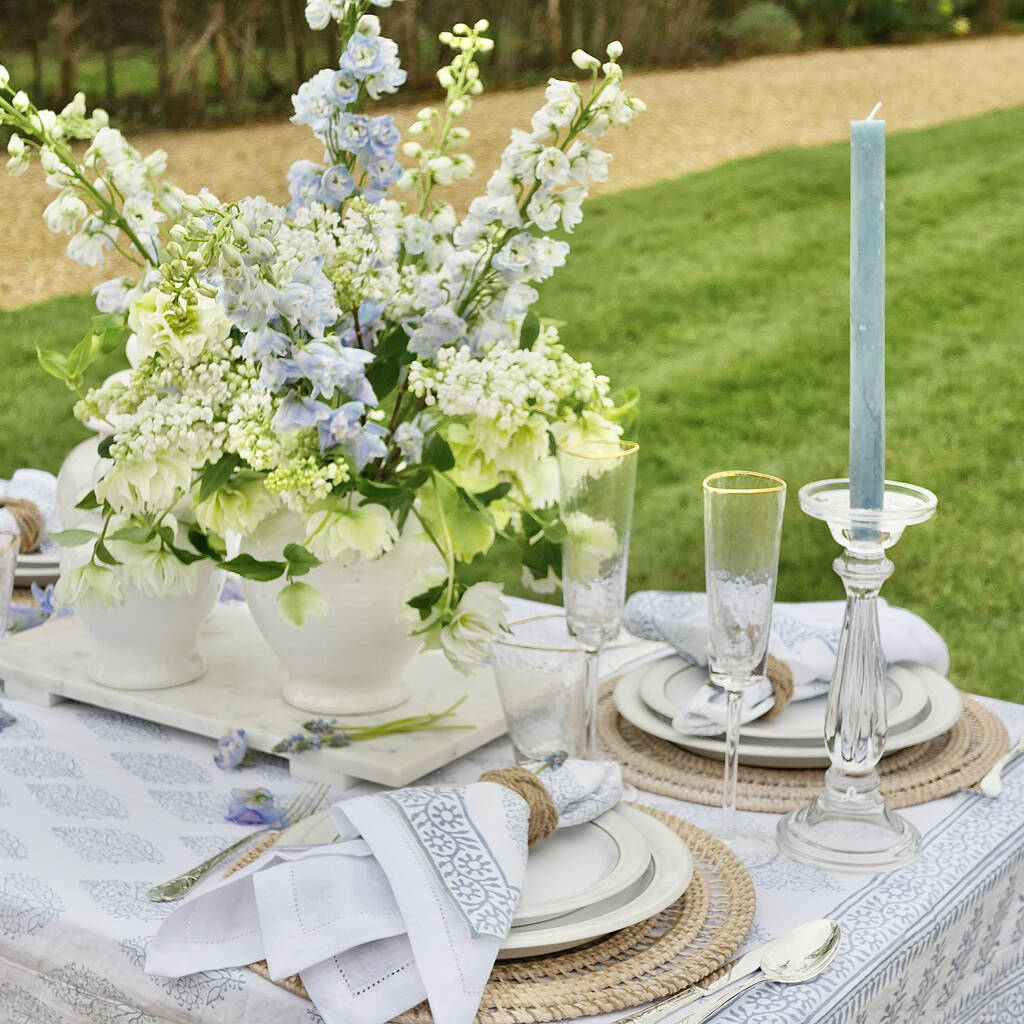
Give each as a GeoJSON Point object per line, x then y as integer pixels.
{"type": "Point", "coordinates": [867, 312]}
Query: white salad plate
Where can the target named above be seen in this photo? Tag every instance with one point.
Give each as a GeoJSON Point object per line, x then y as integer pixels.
{"type": "Point", "coordinates": [665, 871]}
{"type": "Point", "coordinates": [669, 874]}
{"type": "Point", "coordinates": [944, 708]}
{"type": "Point", "coordinates": [671, 683]}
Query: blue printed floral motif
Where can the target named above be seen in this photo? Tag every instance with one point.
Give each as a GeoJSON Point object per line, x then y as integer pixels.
{"type": "Point", "coordinates": [21, 1007]}
{"type": "Point", "coordinates": [167, 768]}
{"type": "Point", "coordinates": [791, 876]}
{"type": "Point", "coordinates": [192, 805]}
{"type": "Point", "coordinates": [5, 800]}
{"type": "Point", "coordinates": [26, 904]}
{"type": "Point", "coordinates": [204, 846]}
{"type": "Point", "coordinates": [94, 997]}
{"type": "Point", "coordinates": [23, 728]}
{"type": "Point", "coordinates": [69, 801]}
{"type": "Point", "coordinates": [464, 864]}
{"type": "Point", "coordinates": [109, 845]}
{"type": "Point", "coordinates": [314, 1017]}
{"type": "Point", "coordinates": [110, 725]}
{"type": "Point", "coordinates": [126, 900]}
{"type": "Point", "coordinates": [11, 846]}
{"type": "Point", "coordinates": [39, 763]}
{"type": "Point", "coordinates": [793, 632]}
{"type": "Point", "coordinates": [193, 991]}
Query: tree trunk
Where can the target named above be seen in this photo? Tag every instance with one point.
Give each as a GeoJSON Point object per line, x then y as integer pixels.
{"type": "Point", "coordinates": [165, 54]}
{"type": "Point", "coordinates": [110, 82]}
{"type": "Point", "coordinates": [991, 14]}
{"type": "Point", "coordinates": [37, 68]}
{"type": "Point", "coordinates": [555, 56]}
{"type": "Point", "coordinates": [220, 53]}
{"type": "Point", "coordinates": [64, 25]}
{"type": "Point", "coordinates": [291, 47]}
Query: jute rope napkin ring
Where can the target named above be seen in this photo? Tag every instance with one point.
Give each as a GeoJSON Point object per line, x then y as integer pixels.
{"type": "Point", "coordinates": [29, 520]}
{"type": "Point", "coordinates": [781, 678]}
{"type": "Point", "coordinates": [543, 816]}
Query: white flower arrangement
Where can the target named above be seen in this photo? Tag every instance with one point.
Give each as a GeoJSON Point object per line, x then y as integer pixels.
{"type": "Point", "coordinates": [370, 364]}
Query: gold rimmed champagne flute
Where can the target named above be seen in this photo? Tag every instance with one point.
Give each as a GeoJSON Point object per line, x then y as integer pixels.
{"type": "Point", "coordinates": [597, 481]}
{"type": "Point", "coordinates": [742, 534]}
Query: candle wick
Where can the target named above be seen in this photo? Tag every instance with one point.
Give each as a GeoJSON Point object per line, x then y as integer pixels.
{"type": "Point", "coordinates": [878, 106]}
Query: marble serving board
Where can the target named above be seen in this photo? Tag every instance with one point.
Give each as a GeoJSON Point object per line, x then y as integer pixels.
{"type": "Point", "coordinates": [241, 689]}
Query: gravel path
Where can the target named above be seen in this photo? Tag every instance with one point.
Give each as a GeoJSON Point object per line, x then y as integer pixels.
{"type": "Point", "coordinates": [695, 119]}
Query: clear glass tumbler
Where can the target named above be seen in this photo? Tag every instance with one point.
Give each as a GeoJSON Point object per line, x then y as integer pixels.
{"type": "Point", "coordinates": [742, 534]}
{"type": "Point", "coordinates": [540, 673]}
{"type": "Point", "coordinates": [597, 481]}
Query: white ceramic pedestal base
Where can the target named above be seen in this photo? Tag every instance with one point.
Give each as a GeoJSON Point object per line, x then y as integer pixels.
{"type": "Point", "coordinates": [242, 689]}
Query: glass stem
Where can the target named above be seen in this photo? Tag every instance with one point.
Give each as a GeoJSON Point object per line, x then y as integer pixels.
{"type": "Point", "coordinates": [734, 706]}
{"type": "Point", "coordinates": [591, 681]}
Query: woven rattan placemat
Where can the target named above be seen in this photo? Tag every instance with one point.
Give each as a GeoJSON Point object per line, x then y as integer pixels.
{"type": "Point", "coordinates": [664, 954]}
{"type": "Point", "coordinates": [916, 775]}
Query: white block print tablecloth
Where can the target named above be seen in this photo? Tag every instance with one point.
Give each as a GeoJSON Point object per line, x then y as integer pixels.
{"type": "Point", "coordinates": [95, 807]}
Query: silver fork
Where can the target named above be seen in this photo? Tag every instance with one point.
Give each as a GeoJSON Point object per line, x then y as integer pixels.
{"type": "Point", "coordinates": [306, 803]}
{"type": "Point", "coordinates": [992, 783]}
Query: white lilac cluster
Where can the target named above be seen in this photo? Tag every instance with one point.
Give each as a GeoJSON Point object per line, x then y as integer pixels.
{"type": "Point", "coordinates": [497, 410]}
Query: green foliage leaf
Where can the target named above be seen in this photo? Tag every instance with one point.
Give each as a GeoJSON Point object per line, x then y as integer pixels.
{"type": "Point", "coordinates": [80, 358]}
{"type": "Point", "coordinates": [102, 552]}
{"type": "Point", "coordinates": [103, 448]}
{"type": "Point", "coordinates": [54, 363]}
{"type": "Point", "coordinates": [298, 601]}
{"type": "Point", "coordinates": [254, 569]}
{"type": "Point", "coordinates": [133, 534]}
{"type": "Point", "coordinates": [90, 501]}
{"type": "Point", "coordinates": [436, 453]}
{"type": "Point", "coordinates": [300, 559]}
{"type": "Point", "coordinates": [208, 544]}
{"type": "Point", "coordinates": [424, 603]}
{"type": "Point", "coordinates": [216, 475]}
{"type": "Point", "coordinates": [388, 359]}
{"type": "Point", "coordinates": [72, 538]}
{"type": "Point", "coordinates": [496, 492]}
{"type": "Point", "coordinates": [184, 556]}
{"type": "Point", "coordinates": [530, 331]}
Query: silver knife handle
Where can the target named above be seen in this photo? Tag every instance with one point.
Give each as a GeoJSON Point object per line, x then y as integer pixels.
{"type": "Point", "coordinates": [703, 1012]}
{"type": "Point", "coordinates": [659, 1011]}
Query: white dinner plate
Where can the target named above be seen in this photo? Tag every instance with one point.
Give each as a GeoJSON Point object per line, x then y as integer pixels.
{"type": "Point", "coordinates": [944, 700]}
{"type": "Point", "coordinates": [665, 873]}
{"type": "Point", "coordinates": [671, 683]}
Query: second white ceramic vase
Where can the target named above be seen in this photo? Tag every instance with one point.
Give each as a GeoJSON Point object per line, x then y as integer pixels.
{"type": "Point", "coordinates": [350, 661]}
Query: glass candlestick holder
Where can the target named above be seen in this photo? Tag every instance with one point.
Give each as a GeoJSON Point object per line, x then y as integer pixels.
{"type": "Point", "coordinates": [848, 827]}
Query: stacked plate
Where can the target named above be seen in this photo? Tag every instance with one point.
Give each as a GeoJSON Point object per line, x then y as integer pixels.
{"type": "Point", "coordinates": [921, 705]}
{"type": "Point", "coordinates": [581, 883]}
{"type": "Point", "coordinates": [37, 568]}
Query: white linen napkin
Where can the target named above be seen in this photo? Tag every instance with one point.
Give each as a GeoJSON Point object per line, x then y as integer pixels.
{"type": "Point", "coordinates": [804, 635]}
{"type": "Point", "coordinates": [412, 902]}
{"type": "Point", "coordinates": [40, 488]}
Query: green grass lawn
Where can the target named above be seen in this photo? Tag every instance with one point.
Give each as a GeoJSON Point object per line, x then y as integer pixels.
{"type": "Point", "coordinates": [723, 296]}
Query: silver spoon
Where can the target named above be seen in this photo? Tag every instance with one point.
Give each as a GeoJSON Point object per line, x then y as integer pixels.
{"type": "Point", "coordinates": [992, 783]}
{"type": "Point", "coordinates": [800, 956]}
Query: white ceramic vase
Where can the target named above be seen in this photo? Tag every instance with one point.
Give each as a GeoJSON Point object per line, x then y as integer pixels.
{"type": "Point", "coordinates": [147, 643]}
{"type": "Point", "coordinates": [351, 660]}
